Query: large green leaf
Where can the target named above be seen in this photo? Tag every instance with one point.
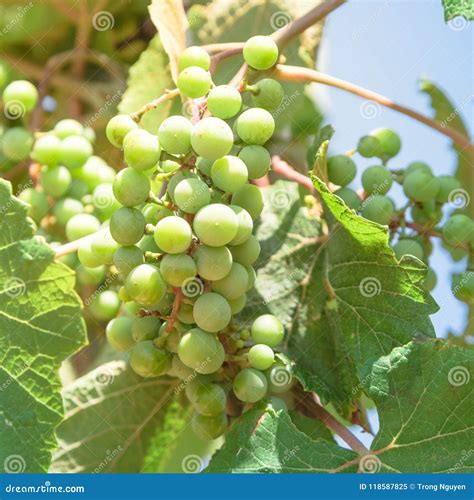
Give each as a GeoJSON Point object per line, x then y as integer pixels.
{"type": "Point", "coordinates": [40, 325]}
{"type": "Point", "coordinates": [454, 8]}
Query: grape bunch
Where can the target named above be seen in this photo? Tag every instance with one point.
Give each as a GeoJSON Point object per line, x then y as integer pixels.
{"type": "Point", "coordinates": [433, 207]}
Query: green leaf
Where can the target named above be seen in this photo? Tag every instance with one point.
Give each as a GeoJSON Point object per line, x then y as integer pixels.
{"type": "Point", "coordinates": [152, 66]}
{"type": "Point", "coordinates": [454, 8]}
{"type": "Point", "coordinates": [265, 441]}
{"type": "Point", "coordinates": [111, 417]}
{"type": "Point", "coordinates": [41, 325]}
{"type": "Point", "coordinates": [323, 135]}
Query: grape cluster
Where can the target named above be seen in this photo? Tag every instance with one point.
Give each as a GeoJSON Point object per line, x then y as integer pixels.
{"type": "Point", "coordinates": [433, 208]}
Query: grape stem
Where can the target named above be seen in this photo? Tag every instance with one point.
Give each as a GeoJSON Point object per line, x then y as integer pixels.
{"type": "Point", "coordinates": [72, 246]}
{"type": "Point", "coordinates": [282, 168]}
{"type": "Point", "coordinates": [178, 297]}
{"type": "Point", "coordinates": [168, 95]}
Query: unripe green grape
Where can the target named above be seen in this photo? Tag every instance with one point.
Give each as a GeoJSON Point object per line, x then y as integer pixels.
{"type": "Point", "coordinates": [216, 225]}
{"type": "Point", "coordinates": [234, 284]}
{"type": "Point", "coordinates": [119, 333]}
{"type": "Point", "coordinates": [430, 280]}
{"type": "Point", "coordinates": [47, 150]}
{"type": "Point", "coordinates": [428, 214]}
{"type": "Point", "coordinates": [68, 127]}
{"type": "Point", "coordinates": [19, 94]}
{"type": "Point", "coordinates": [145, 285]}
{"type": "Point", "coordinates": [249, 197]}
{"type": "Point", "coordinates": [211, 313]}
{"type": "Point", "coordinates": [194, 384]}
{"type": "Point", "coordinates": [201, 351]}
{"type": "Point", "coordinates": [123, 295]}
{"type": "Point", "coordinates": [66, 208]}
{"type": "Point", "coordinates": [148, 361]}
{"type": "Point", "coordinates": [95, 172]}
{"type": "Point", "coordinates": [209, 428]}
{"type": "Point", "coordinates": [173, 234]}
{"type": "Point", "coordinates": [194, 56]}
{"type": "Point", "coordinates": [257, 159]}
{"type": "Point", "coordinates": [179, 369]}
{"type": "Point", "coordinates": [147, 244]}
{"type": "Point", "coordinates": [131, 187]}
{"type": "Point", "coordinates": [237, 304]}
{"type": "Point", "coordinates": [167, 166]}
{"type": "Point", "coordinates": [246, 253]}
{"type": "Point", "coordinates": [89, 134]}
{"type": "Point", "coordinates": [341, 170]}
{"type": "Point", "coordinates": [37, 201]}
{"type": "Point", "coordinates": [377, 179]}
{"type": "Point", "coordinates": [420, 186]}
{"type": "Point", "coordinates": [463, 286]}
{"type": "Point", "coordinates": [154, 213]}
{"type": "Point", "coordinates": [165, 305]}
{"type": "Point", "coordinates": [75, 151]}
{"type": "Point", "coordinates": [145, 328]}
{"type": "Point", "coordinates": [174, 135]}
{"type": "Point", "coordinates": [185, 314]}
{"type": "Point", "coordinates": [418, 166]}
{"type": "Point", "coordinates": [378, 208]}
{"type": "Point", "coordinates": [213, 263]}
{"type": "Point", "coordinates": [127, 226]}
{"type": "Point", "coordinates": [204, 166]}
{"type": "Point", "coordinates": [118, 127]}
{"type": "Point", "coordinates": [268, 94]}
{"type": "Point", "coordinates": [389, 141]}
{"type": "Point", "coordinates": [408, 247]}
{"type": "Point", "coordinates": [191, 195]}
{"type": "Point", "coordinates": [278, 404]}
{"type": "Point", "coordinates": [458, 230]}
{"type": "Point", "coordinates": [55, 181]}
{"type": "Point", "coordinates": [81, 225]}
{"type": "Point", "coordinates": [17, 143]}
{"type": "Point", "coordinates": [141, 149]}
{"type": "Point", "coordinates": [245, 225]}
{"type": "Point", "coordinates": [255, 126]}
{"type": "Point", "coordinates": [349, 197]}
{"type": "Point", "coordinates": [267, 329]}
{"type": "Point", "coordinates": [260, 52]}
{"type": "Point", "coordinates": [131, 308]}
{"type": "Point", "coordinates": [261, 357]}
{"type": "Point", "coordinates": [104, 246]}
{"type": "Point", "coordinates": [229, 173]}
{"type": "Point", "coordinates": [212, 138]}
{"type": "Point", "coordinates": [250, 385]}
{"type": "Point", "coordinates": [194, 82]}
{"type": "Point", "coordinates": [90, 276]}
{"type": "Point", "coordinates": [127, 258]}
{"type": "Point", "coordinates": [224, 101]}
{"type": "Point", "coordinates": [172, 338]}
{"type": "Point", "coordinates": [105, 305]}
{"type": "Point", "coordinates": [87, 257]}
{"type": "Point", "coordinates": [279, 379]}
{"type": "Point", "coordinates": [176, 269]}
{"type": "Point", "coordinates": [448, 185]}
{"type": "Point", "coordinates": [368, 146]}
{"type": "Point", "coordinates": [176, 179]}
{"type": "Point", "coordinates": [252, 276]}
{"type": "Point", "coordinates": [210, 399]}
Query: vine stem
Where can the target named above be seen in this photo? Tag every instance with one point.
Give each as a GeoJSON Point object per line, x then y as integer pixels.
{"type": "Point", "coordinates": [282, 168]}
{"type": "Point", "coordinates": [73, 246]}
{"type": "Point", "coordinates": [295, 73]}
{"type": "Point", "coordinates": [168, 95]}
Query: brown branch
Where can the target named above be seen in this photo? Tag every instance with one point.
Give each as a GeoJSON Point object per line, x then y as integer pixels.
{"type": "Point", "coordinates": [174, 311]}
{"type": "Point", "coordinates": [282, 168]}
{"type": "Point", "coordinates": [168, 95]}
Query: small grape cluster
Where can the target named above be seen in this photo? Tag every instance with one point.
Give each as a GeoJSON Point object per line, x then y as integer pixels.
{"type": "Point", "coordinates": [414, 225]}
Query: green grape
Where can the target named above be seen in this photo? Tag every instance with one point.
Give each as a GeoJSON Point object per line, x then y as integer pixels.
{"type": "Point", "coordinates": [87, 257]}
{"type": "Point", "coordinates": [260, 52]}
{"type": "Point", "coordinates": [210, 399]}
{"type": "Point", "coordinates": [118, 127]}
{"type": "Point", "coordinates": [119, 333]}
{"type": "Point", "coordinates": [81, 225]}
{"type": "Point", "coordinates": [216, 225]}
{"type": "Point", "coordinates": [165, 305]}
{"type": "Point", "coordinates": [212, 138]}
{"type": "Point", "coordinates": [105, 305]}
{"type": "Point", "coordinates": [145, 285]}
{"type": "Point", "coordinates": [19, 97]}
{"type": "Point", "coordinates": [147, 244]}
{"type": "Point", "coordinates": [123, 295]}
{"type": "Point", "coordinates": [174, 135]}
{"type": "Point", "coordinates": [420, 186]}
{"type": "Point", "coordinates": [255, 126]}
{"type": "Point", "coordinates": [418, 166]}
{"type": "Point", "coordinates": [234, 284]}
{"type": "Point", "coordinates": [224, 101]}
{"type": "Point", "coordinates": [408, 247]}
{"type": "Point", "coordinates": [427, 214]}
{"type": "Point", "coordinates": [127, 258]}
{"type": "Point", "coordinates": [378, 208]}
{"type": "Point", "coordinates": [204, 166]}
{"type": "Point", "coordinates": [185, 314]}
{"type": "Point", "coordinates": [95, 172]}
{"type": "Point", "coordinates": [55, 181]}
{"type": "Point", "coordinates": [209, 428]}
{"type": "Point", "coordinates": [154, 213]}
{"type": "Point", "coordinates": [104, 246]}
{"type": "Point", "coordinates": [131, 308]}
{"type": "Point", "coordinates": [252, 276]}
{"type": "Point", "coordinates": [66, 208]}
{"type": "Point", "coordinates": [213, 263]}
{"type": "Point", "coordinates": [131, 187]}
{"type": "Point", "coordinates": [148, 361]}
{"type": "Point", "coordinates": [279, 379]}
{"type": "Point", "coordinates": [341, 170]}
{"type": "Point", "coordinates": [368, 146]}
{"type": "Point", "coordinates": [267, 329]}
{"type": "Point", "coordinates": [211, 313]}
{"type": "Point", "coordinates": [195, 383]}
{"type": "Point", "coordinates": [37, 201]}
{"type": "Point", "coordinates": [145, 328]}
{"type": "Point", "coordinates": [17, 143]}
{"type": "Point", "coordinates": [194, 56]}
{"type": "Point", "coordinates": [173, 234]}
{"type": "Point", "coordinates": [176, 179]}
{"type": "Point", "coordinates": [141, 149]}
{"type": "Point", "coordinates": [104, 200]}
{"type": "Point", "coordinates": [246, 253]}
{"type": "Point", "coordinates": [245, 225]}
{"type": "Point", "coordinates": [377, 179]}
{"type": "Point", "coordinates": [261, 357]}
{"type": "Point", "coordinates": [430, 280]}
{"type": "Point", "coordinates": [75, 151]}
{"type": "Point", "coordinates": [201, 351]}
{"type": "Point", "coordinates": [194, 82]}
{"type": "Point", "coordinates": [458, 230]}
{"type": "Point", "coordinates": [176, 269]}
{"type": "Point", "coordinates": [90, 276]}
{"type": "Point", "coordinates": [250, 385]}
{"type": "Point", "coordinates": [47, 150]}
{"type": "Point", "coordinates": [229, 173]}
{"type": "Point", "coordinates": [169, 166]}
{"type": "Point", "coordinates": [448, 185]}
{"type": "Point", "coordinates": [257, 159]}
{"type": "Point", "coordinates": [179, 369]}
{"type": "Point", "coordinates": [191, 195]}
{"type": "Point", "coordinates": [89, 134]}
{"type": "Point", "coordinates": [268, 94]}
{"type": "Point", "coordinates": [349, 197]}
{"type": "Point", "coordinates": [463, 286]}
{"type": "Point", "coordinates": [249, 197]}
{"type": "Point", "coordinates": [67, 127]}
{"type": "Point", "coordinates": [278, 404]}
{"type": "Point", "coordinates": [127, 226]}
{"type": "Point", "coordinates": [237, 304]}
{"type": "Point", "coordinates": [389, 142]}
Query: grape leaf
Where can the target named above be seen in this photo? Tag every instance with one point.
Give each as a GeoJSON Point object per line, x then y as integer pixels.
{"type": "Point", "coordinates": [454, 8]}
{"type": "Point", "coordinates": [265, 441]}
{"type": "Point", "coordinates": [41, 325]}
{"type": "Point", "coordinates": [111, 416]}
